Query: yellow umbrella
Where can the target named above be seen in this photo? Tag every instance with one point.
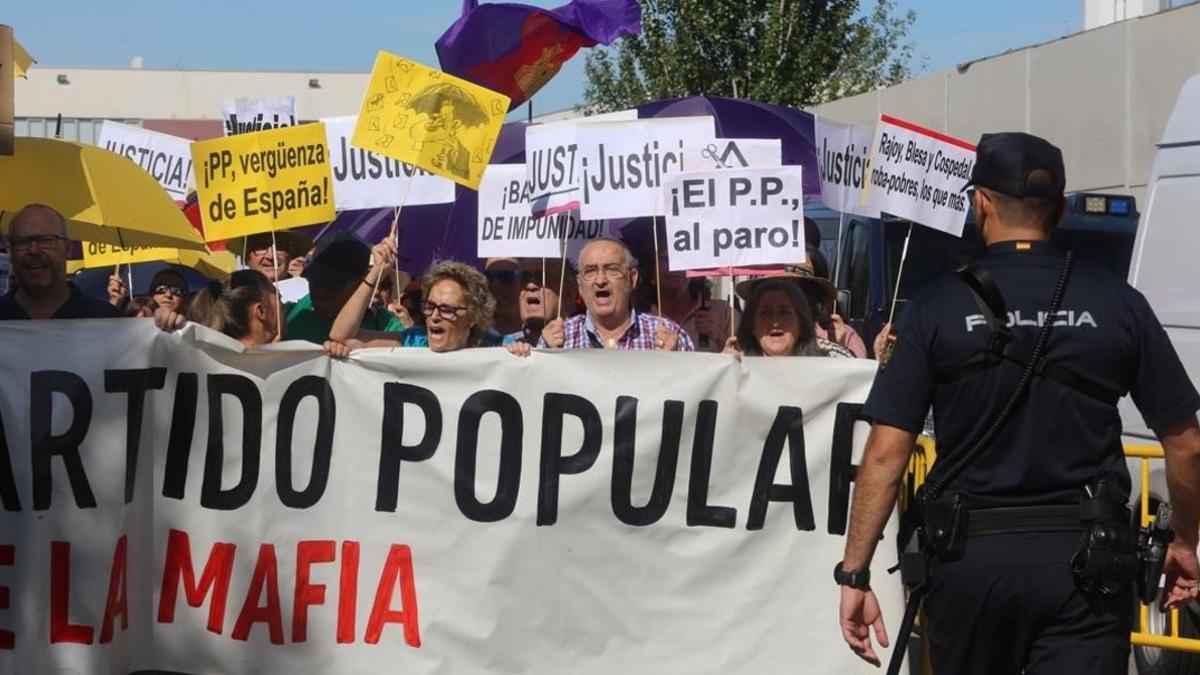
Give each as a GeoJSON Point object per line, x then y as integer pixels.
{"type": "Point", "coordinates": [213, 265]}
{"type": "Point", "coordinates": [104, 196]}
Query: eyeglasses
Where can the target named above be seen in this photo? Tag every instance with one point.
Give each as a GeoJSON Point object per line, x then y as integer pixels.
{"type": "Point", "coordinates": [447, 312]}
{"type": "Point", "coordinates": [173, 289]}
{"type": "Point", "coordinates": [611, 270]}
{"type": "Point", "coordinates": [42, 240]}
{"type": "Point", "coordinates": [502, 276]}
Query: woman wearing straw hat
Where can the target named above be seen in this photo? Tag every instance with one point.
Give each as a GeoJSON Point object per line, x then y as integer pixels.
{"type": "Point", "coordinates": [778, 320]}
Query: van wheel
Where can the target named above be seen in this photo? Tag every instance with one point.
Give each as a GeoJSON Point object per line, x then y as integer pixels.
{"type": "Point", "coordinates": [1157, 661]}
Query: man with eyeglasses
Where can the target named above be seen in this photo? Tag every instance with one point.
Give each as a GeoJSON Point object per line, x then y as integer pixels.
{"type": "Point", "coordinates": [607, 276]}
{"type": "Point", "coordinates": [38, 247]}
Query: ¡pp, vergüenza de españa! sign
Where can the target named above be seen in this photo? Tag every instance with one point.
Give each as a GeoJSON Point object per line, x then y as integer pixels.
{"type": "Point", "coordinates": [918, 174]}
{"type": "Point", "coordinates": [267, 180]}
{"type": "Point", "coordinates": [507, 230]}
{"type": "Point", "coordinates": [735, 217]}
{"type": "Point", "coordinates": [429, 119]}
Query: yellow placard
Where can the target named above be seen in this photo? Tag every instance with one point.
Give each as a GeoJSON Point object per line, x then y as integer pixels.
{"type": "Point", "coordinates": [22, 61]}
{"type": "Point", "coordinates": [263, 181]}
{"type": "Point", "coordinates": [97, 254]}
{"type": "Point", "coordinates": [429, 119]}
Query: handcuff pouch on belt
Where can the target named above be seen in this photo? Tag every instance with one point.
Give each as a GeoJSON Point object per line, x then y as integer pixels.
{"type": "Point", "coordinates": [1106, 561]}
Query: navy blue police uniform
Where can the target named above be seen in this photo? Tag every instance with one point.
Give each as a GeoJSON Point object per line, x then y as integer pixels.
{"type": "Point", "coordinates": [1009, 603]}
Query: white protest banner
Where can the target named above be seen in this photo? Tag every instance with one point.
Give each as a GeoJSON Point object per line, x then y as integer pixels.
{"type": "Point", "coordinates": [552, 163]}
{"type": "Point", "coordinates": [507, 230]}
{"type": "Point", "coordinates": [625, 163]}
{"type": "Point", "coordinates": [245, 114]}
{"type": "Point", "coordinates": [734, 153]}
{"type": "Point", "coordinates": [918, 174]}
{"type": "Point", "coordinates": [843, 151]}
{"type": "Point", "coordinates": [366, 180]}
{"type": "Point", "coordinates": [187, 505]}
{"type": "Point", "coordinates": [167, 158]}
{"type": "Point", "coordinates": [735, 217]}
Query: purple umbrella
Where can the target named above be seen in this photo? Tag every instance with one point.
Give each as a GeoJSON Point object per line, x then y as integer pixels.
{"type": "Point", "coordinates": [449, 230]}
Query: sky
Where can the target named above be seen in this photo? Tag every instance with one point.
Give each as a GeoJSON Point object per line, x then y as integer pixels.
{"type": "Point", "coordinates": [311, 35]}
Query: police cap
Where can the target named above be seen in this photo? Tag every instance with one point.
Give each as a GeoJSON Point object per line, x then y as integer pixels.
{"type": "Point", "coordinates": [1004, 161]}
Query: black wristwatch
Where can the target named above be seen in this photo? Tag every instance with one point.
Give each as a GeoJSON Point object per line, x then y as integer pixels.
{"type": "Point", "coordinates": [860, 579]}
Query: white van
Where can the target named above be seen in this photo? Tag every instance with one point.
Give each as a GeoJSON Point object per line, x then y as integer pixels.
{"type": "Point", "coordinates": [1166, 253]}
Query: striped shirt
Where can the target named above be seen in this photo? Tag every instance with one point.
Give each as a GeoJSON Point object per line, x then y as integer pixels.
{"type": "Point", "coordinates": [579, 332]}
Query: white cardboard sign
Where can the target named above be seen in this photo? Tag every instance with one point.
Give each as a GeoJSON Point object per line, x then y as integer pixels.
{"type": "Point", "coordinates": [735, 217]}
{"type": "Point", "coordinates": [247, 114]}
{"type": "Point", "coordinates": [625, 163]}
{"type": "Point", "coordinates": [507, 230]}
{"type": "Point", "coordinates": [167, 158]}
{"type": "Point", "coordinates": [843, 152]}
{"type": "Point", "coordinates": [918, 174]}
{"type": "Point", "coordinates": [552, 163]}
{"type": "Point", "coordinates": [734, 153]}
{"type": "Point", "coordinates": [366, 180]}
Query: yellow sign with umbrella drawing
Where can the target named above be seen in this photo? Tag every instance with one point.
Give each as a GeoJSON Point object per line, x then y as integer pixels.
{"type": "Point", "coordinates": [429, 119]}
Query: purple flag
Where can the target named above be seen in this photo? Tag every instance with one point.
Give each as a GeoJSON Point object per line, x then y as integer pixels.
{"type": "Point", "coordinates": [515, 49]}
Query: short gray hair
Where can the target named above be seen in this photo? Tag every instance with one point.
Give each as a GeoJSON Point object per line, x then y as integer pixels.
{"type": "Point", "coordinates": [630, 260]}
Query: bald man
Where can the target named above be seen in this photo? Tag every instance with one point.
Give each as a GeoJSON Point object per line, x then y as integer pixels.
{"type": "Point", "coordinates": [38, 246]}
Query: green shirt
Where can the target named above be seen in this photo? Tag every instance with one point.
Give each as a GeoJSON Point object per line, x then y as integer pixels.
{"type": "Point", "coordinates": [303, 322]}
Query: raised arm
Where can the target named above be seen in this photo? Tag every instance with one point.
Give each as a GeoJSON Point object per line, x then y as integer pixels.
{"type": "Point", "coordinates": [346, 325]}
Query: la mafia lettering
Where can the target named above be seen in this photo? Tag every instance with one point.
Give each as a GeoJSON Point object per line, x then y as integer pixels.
{"type": "Point", "coordinates": [60, 414]}
{"type": "Point", "coordinates": [1064, 317]}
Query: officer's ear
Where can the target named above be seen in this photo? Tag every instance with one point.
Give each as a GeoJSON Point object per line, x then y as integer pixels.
{"type": "Point", "coordinates": [983, 208]}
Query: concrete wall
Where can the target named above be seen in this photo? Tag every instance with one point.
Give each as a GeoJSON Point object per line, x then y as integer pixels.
{"type": "Point", "coordinates": [1103, 96]}
{"type": "Point", "coordinates": [99, 93]}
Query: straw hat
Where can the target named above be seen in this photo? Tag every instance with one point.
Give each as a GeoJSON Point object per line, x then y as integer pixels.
{"type": "Point", "coordinates": [800, 273]}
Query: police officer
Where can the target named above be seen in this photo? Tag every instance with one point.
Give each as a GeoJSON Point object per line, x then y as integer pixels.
{"type": "Point", "coordinates": [1006, 599]}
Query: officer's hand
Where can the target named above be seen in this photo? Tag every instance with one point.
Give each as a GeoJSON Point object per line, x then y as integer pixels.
{"type": "Point", "coordinates": [1182, 576]}
{"type": "Point", "coordinates": [860, 612]}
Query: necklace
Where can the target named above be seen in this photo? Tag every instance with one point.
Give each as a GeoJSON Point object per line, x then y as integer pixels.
{"type": "Point", "coordinates": [610, 337]}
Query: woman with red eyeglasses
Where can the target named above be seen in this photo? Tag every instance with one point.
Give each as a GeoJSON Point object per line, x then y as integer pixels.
{"type": "Point", "coordinates": [457, 308]}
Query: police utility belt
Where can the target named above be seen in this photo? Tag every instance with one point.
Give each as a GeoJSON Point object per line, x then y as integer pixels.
{"type": "Point", "coordinates": [1110, 555]}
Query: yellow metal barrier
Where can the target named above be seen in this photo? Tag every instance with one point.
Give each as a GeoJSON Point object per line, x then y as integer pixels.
{"type": "Point", "coordinates": [922, 461]}
{"type": "Point", "coordinates": [1142, 636]}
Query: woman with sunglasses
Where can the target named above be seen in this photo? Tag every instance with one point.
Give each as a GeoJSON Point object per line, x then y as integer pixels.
{"type": "Point", "coordinates": [168, 289]}
{"type": "Point", "coordinates": [457, 308]}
